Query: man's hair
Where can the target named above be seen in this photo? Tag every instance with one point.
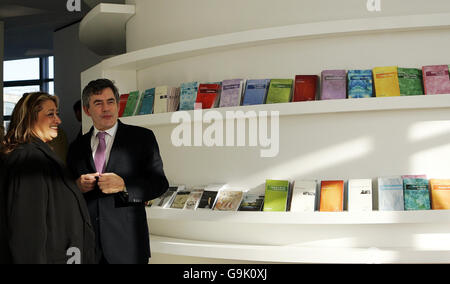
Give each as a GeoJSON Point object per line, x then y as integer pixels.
{"type": "Point", "coordinates": [95, 87]}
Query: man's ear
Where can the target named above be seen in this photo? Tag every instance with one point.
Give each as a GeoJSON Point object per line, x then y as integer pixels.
{"type": "Point", "coordinates": [86, 111]}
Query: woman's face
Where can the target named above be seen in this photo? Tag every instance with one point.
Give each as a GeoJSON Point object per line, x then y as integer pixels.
{"type": "Point", "coordinates": [46, 127]}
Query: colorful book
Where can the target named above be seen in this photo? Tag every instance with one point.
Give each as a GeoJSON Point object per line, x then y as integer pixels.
{"type": "Point", "coordinates": [161, 97]}
{"type": "Point", "coordinates": [359, 84]}
{"type": "Point", "coordinates": [167, 198]}
{"type": "Point", "coordinates": [231, 93]}
{"type": "Point", "coordinates": [228, 200]}
{"type": "Point", "coordinates": [279, 91]}
{"type": "Point", "coordinates": [123, 98]}
{"type": "Point", "coordinates": [252, 202]}
{"type": "Point", "coordinates": [410, 81]}
{"type": "Point", "coordinates": [255, 92]}
{"type": "Point", "coordinates": [332, 196]}
{"type": "Point", "coordinates": [132, 102]}
{"type": "Point", "coordinates": [207, 96]}
{"type": "Point", "coordinates": [416, 193]}
{"type": "Point", "coordinates": [440, 193]}
{"type": "Point", "coordinates": [147, 102]}
{"type": "Point", "coordinates": [385, 80]}
{"type": "Point", "coordinates": [193, 200]}
{"type": "Point", "coordinates": [359, 195]}
{"type": "Point", "coordinates": [207, 200]}
{"type": "Point", "coordinates": [305, 88]}
{"type": "Point", "coordinates": [390, 194]}
{"type": "Point", "coordinates": [304, 196]}
{"type": "Point", "coordinates": [436, 79]}
{"type": "Point", "coordinates": [334, 84]}
{"type": "Point", "coordinates": [188, 94]}
{"type": "Point", "coordinates": [276, 195]}
{"type": "Point", "coordinates": [180, 199]}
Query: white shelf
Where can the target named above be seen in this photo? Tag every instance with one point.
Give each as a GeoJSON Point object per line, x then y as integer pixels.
{"type": "Point", "coordinates": [304, 218]}
{"type": "Point", "coordinates": [310, 107]}
{"type": "Point", "coordinates": [103, 29]}
{"type": "Point", "coordinates": [294, 254]}
{"type": "Point", "coordinates": [175, 51]}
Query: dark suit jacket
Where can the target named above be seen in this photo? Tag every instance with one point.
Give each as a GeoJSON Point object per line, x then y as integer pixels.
{"type": "Point", "coordinates": [43, 212]}
{"type": "Point", "coordinates": [119, 219]}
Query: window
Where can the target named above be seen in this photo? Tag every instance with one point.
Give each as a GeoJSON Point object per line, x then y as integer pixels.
{"type": "Point", "coordinates": [23, 76]}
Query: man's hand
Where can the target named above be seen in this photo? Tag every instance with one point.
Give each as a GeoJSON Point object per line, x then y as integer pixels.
{"type": "Point", "coordinates": [110, 183]}
{"type": "Point", "coordinates": [87, 182]}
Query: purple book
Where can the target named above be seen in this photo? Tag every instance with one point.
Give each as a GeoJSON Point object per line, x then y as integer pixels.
{"type": "Point", "coordinates": [334, 84]}
{"type": "Point", "coordinates": [231, 93]}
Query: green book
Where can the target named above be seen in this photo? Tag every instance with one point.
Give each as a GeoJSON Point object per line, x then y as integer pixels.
{"type": "Point", "coordinates": [131, 104]}
{"type": "Point", "coordinates": [279, 91]}
{"type": "Point", "coordinates": [276, 195]}
{"type": "Point", "coordinates": [410, 81]}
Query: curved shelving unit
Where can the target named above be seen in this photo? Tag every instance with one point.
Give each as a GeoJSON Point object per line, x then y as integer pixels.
{"type": "Point", "coordinates": [103, 29]}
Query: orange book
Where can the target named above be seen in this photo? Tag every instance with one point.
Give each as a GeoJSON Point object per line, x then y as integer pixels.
{"type": "Point", "coordinates": [332, 195]}
{"type": "Point", "coordinates": [440, 193]}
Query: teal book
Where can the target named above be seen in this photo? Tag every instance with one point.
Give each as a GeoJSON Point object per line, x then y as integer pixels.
{"type": "Point", "coordinates": [188, 95]}
{"type": "Point", "coordinates": [359, 84]}
{"type": "Point", "coordinates": [147, 102]}
{"type": "Point", "coordinates": [416, 193]}
{"type": "Point", "coordinates": [276, 195]}
{"type": "Point", "coordinates": [131, 104]}
{"type": "Point", "coordinates": [280, 91]}
{"type": "Point", "coordinates": [410, 81]}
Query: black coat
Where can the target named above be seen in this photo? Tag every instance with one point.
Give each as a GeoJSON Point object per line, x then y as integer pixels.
{"type": "Point", "coordinates": [119, 219]}
{"type": "Point", "coordinates": [44, 215]}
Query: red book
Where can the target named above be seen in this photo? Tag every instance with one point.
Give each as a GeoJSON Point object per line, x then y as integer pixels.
{"type": "Point", "coordinates": [122, 103]}
{"type": "Point", "coordinates": [436, 79]}
{"type": "Point", "coordinates": [305, 88]}
{"type": "Point", "coordinates": [207, 96]}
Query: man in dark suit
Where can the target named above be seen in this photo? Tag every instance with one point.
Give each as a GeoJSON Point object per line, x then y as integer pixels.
{"type": "Point", "coordinates": [118, 167]}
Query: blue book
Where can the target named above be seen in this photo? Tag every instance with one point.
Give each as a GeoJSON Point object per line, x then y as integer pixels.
{"type": "Point", "coordinates": [390, 193]}
{"type": "Point", "coordinates": [417, 194]}
{"type": "Point", "coordinates": [360, 84]}
{"type": "Point", "coordinates": [147, 102]}
{"type": "Point", "coordinates": [188, 95]}
{"type": "Point", "coordinates": [255, 92]}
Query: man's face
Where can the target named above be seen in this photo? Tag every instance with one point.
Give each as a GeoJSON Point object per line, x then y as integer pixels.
{"type": "Point", "coordinates": [103, 109]}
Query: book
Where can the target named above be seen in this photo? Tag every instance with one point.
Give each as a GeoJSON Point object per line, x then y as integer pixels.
{"type": "Point", "coordinates": [390, 193]}
{"type": "Point", "coordinates": [359, 84]}
{"type": "Point", "coordinates": [207, 96]}
{"type": "Point", "coordinates": [440, 193]}
{"type": "Point", "coordinates": [410, 81]}
{"type": "Point", "coordinates": [416, 193]}
{"type": "Point", "coordinates": [276, 195]}
{"type": "Point", "coordinates": [231, 93]}
{"type": "Point", "coordinates": [228, 200]}
{"type": "Point", "coordinates": [334, 84]}
{"type": "Point", "coordinates": [173, 99]}
{"type": "Point", "coordinates": [279, 91]}
{"type": "Point", "coordinates": [305, 88]}
{"type": "Point", "coordinates": [436, 79]}
{"type": "Point", "coordinates": [359, 195]}
{"type": "Point", "coordinates": [304, 196]}
{"type": "Point", "coordinates": [161, 98]}
{"type": "Point", "coordinates": [193, 200]}
{"type": "Point", "coordinates": [188, 94]}
{"type": "Point", "coordinates": [123, 98]}
{"type": "Point", "coordinates": [385, 80]}
{"type": "Point", "coordinates": [207, 200]}
{"type": "Point", "coordinates": [131, 104]}
{"type": "Point", "coordinates": [167, 198]}
{"type": "Point", "coordinates": [147, 102]}
{"type": "Point", "coordinates": [180, 199]}
{"type": "Point", "coordinates": [255, 92]}
{"type": "Point", "coordinates": [252, 202]}
{"type": "Point", "coordinates": [332, 196]}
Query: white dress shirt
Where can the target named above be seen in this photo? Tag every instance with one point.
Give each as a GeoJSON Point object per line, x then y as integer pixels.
{"type": "Point", "coordinates": [109, 139]}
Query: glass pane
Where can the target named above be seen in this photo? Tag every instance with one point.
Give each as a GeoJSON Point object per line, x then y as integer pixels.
{"type": "Point", "coordinates": [51, 88]}
{"type": "Point", "coordinates": [50, 68]}
{"type": "Point", "coordinates": [22, 69]}
{"type": "Point", "coordinates": [6, 125]}
{"type": "Point", "coordinates": [11, 95]}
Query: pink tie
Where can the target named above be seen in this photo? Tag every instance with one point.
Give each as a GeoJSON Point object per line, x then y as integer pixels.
{"type": "Point", "coordinates": [100, 154]}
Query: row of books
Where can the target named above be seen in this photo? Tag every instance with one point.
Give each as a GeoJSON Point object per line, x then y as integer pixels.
{"type": "Point", "coordinates": [395, 193]}
{"type": "Point", "coordinates": [335, 84]}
